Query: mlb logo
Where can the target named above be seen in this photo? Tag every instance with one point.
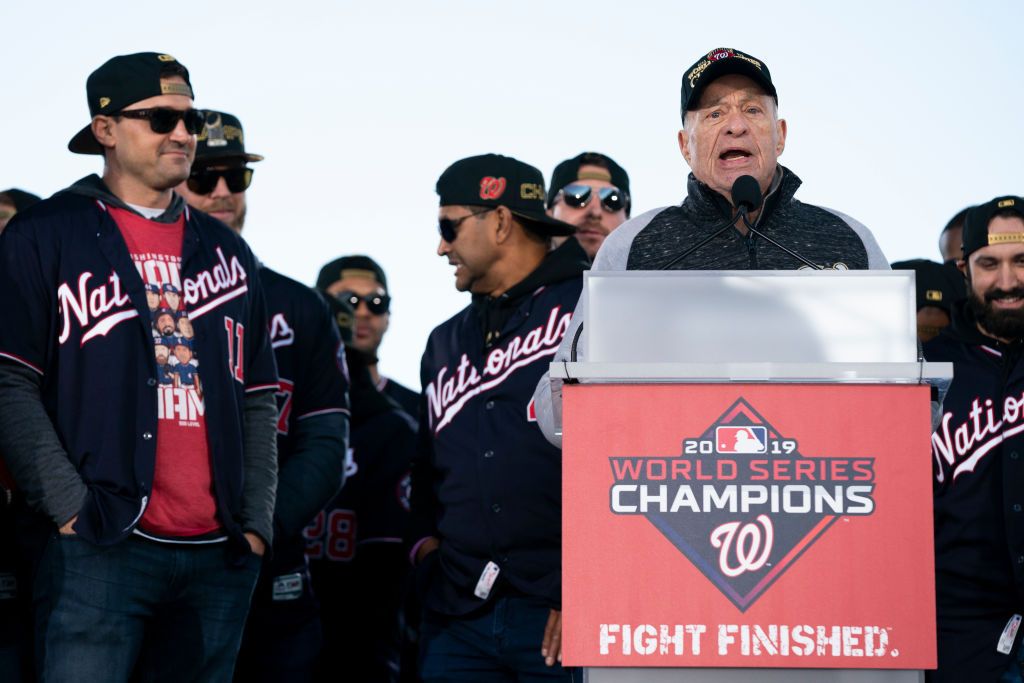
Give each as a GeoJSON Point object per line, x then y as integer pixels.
{"type": "Point", "coordinates": [749, 439]}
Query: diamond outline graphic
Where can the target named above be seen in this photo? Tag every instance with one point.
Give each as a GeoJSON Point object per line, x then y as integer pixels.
{"type": "Point", "coordinates": [744, 593]}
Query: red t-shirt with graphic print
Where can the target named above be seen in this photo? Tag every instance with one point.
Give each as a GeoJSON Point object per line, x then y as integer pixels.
{"type": "Point", "coordinates": [182, 503]}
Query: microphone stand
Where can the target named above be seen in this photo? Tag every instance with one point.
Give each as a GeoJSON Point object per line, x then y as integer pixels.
{"type": "Point", "coordinates": [768, 239]}
{"type": "Point", "coordinates": [741, 213]}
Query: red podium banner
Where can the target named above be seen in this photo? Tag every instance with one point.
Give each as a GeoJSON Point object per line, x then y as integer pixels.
{"type": "Point", "coordinates": [763, 525]}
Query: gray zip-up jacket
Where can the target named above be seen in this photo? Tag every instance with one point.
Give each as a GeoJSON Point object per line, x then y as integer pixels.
{"type": "Point", "coordinates": [652, 240]}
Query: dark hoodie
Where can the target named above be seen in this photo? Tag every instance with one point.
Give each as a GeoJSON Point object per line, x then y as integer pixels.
{"type": "Point", "coordinates": [93, 186]}
{"type": "Point", "coordinates": [564, 263]}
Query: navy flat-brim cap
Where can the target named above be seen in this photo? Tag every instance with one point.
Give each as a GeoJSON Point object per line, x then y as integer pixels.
{"type": "Point", "coordinates": [124, 80]}
{"type": "Point", "coordinates": [975, 233]}
{"type": "Point", "coordinates": [721, 62]}
{"type": "Point", "coordinates": [495, 180]}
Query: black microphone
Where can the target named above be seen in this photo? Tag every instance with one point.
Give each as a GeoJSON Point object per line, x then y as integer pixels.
{"type": "Point", "coordinates": [746, 196]}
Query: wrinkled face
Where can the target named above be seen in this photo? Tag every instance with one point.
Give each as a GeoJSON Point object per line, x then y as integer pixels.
{"type": "Point", "coordinates": [154, 160]}
{"type": "Point", "coordinates": [369, 328]}
{"type": "Point", "coordinates": [474, 250]}
{"type": "Point", "coordinates": [734, 131]}
{"type": "Point", "coordinates": [593, 221]}
{"type": "Point", "coordinates": [221, 203]}
{"type": "Point", "coordinates": [995, 284]}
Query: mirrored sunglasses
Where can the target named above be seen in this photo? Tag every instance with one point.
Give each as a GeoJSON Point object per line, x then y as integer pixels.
{"type": "Point", "coordinates": [377, 303]}
{"type": "Point", "coordinates": [162, 120]}
{"type": "Point", "coordinates": [578, 196]}
{"type": "Point", "coordinates": [204, 180]}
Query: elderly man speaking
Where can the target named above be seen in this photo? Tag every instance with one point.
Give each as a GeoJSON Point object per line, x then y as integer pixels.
{"type": "Point", "coordinates": [731, 129]}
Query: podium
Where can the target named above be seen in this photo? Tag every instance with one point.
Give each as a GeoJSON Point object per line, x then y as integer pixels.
{"type": "Point", "coordinates": [747, 479]}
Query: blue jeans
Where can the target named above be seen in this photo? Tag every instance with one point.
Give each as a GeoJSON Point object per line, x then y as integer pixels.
{"type": "Point", "coordinates": [500, 644]}
{"type": "Point", "coordinates": [140, 609]}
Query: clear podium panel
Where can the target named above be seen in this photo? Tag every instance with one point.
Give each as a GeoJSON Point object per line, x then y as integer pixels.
{"type": "Point", "coordinates": [750, 316]}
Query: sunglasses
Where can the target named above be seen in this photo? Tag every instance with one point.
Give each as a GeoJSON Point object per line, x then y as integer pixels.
{"type": "Point", "coordinates": [162, 120]}
{"type": "Point", "coordinates": [204, 180]}
{"type": "Point", "coordinates": [577, 196]}
{"type": "Point", "coordinates": [377, 303]}
{"type": "Point", "coordinates": [448, 226]}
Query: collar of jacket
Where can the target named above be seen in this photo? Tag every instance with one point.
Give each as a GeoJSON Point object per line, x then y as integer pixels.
{"type": "Point", "coordinates": [568, 261]}
{"type": "Point", "coordinates": [93, 186]}
{"type": "Point", "coordinates": [707, 205]}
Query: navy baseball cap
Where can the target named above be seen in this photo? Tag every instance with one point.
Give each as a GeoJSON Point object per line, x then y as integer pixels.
{"type": "Point", "coordinates": [721, 62]}
{"type": "Point", "coordinates": [495, 180]}
{"type": "Point", "coordinates": [937, 283]}
{"type": "Point", "coordinates": [975, 233]}
{"type": "Point", "coordinates": [356, 265]}
{"type": "Point", "coordinates": [124, 80]}
{"type": "Point", "coordinates": [222, 140]}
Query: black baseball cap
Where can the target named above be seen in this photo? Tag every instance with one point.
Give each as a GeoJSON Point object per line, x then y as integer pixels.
{"type": "Point", "coordinates": [937, 283]}
{"type": "Point", "coordinates": [222, 141]}
{"type": "Point", "coordinates": [975, 233]}
{"type": "Point", "coordinates": [124, 80]}
{"type": "Point", "coordinates": [721, 62]}
{"type": "Point", "coordinates": [355, 265]}
{"type": "Point", "coordinates": [21, 199]}
{"type": "Point", "coordinates": [568, 172]}
{"type": "Point", "coordinates": [495, 180]}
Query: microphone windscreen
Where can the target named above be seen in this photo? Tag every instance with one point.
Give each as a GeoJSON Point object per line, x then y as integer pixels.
{"type": "Point", "coordinates": [746, 192]}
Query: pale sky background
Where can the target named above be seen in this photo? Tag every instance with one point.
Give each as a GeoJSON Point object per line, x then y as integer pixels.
{"type": "Point", "coordinates": [900, 113]}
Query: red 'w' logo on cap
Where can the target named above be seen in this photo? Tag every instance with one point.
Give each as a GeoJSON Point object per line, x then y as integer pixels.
{"type": "Point", "coordinates": [491, 187]}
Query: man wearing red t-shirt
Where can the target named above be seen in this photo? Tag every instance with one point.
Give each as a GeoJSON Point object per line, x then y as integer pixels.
{"type": "Point", "coordinates": [159, 494]}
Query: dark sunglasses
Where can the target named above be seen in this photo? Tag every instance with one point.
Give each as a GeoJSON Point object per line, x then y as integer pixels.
{"type": "Point", "coordinates": [162, 120]}
{"type": "Point", "coordinates": [204, 180]}
{"type": "Point", "coordinates": [377, 303]}
{"type": "Point", "coordinates": [447, 226]}
{"type": "Point", "coordinates": [577, 196]}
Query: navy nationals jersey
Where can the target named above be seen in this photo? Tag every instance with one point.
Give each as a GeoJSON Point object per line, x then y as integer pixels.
{"type": "Point", "coordinates": [355, 546]}
{"type": "Point", "coordinates": [486, 482]}
{"type": "Point", "coordinates": [310, 355]}
{"type": "Point", "coordinates": [75, 311]}
{"type": "Point", "coordinates": [978, 463]}
{"type": "Point", "coordinates": [313, 380]}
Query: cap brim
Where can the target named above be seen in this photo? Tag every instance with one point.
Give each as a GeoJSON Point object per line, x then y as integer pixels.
{"type": "Point", "coordinates": [210, 159]}
{"type": "Point", "coordinates": [85, 142]}
{"type": "Point", "coordinates": [724, 68]}
{"type": "Point", "coordinates": [545, 224]}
